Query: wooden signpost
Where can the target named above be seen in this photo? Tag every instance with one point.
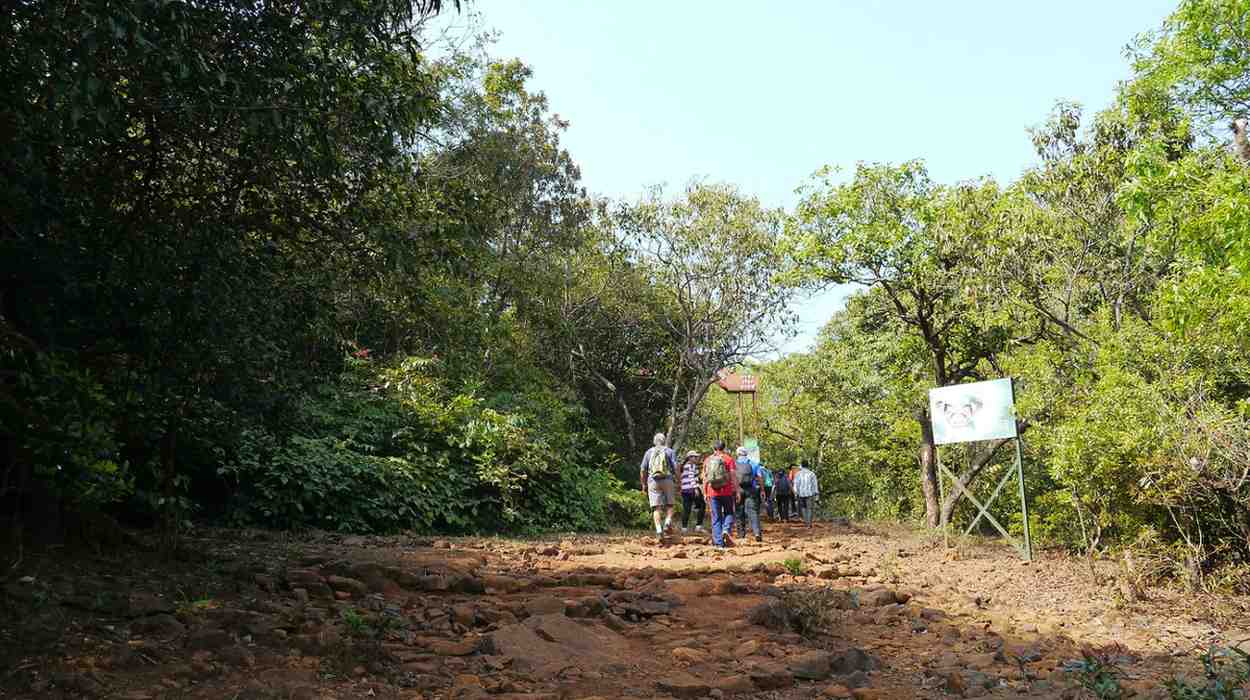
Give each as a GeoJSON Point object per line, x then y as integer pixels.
{"type": "Point", "coordinates": [740, 384]}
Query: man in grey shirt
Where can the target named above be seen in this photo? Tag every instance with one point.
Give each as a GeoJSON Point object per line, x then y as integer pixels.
{"type": "Point", "coordinates": [658, 476]}
{"type": "Point", "coordinates": [807, 490]}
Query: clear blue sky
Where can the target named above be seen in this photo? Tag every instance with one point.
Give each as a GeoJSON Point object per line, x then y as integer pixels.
{"type": "Point", "coordinates": [761, 94]}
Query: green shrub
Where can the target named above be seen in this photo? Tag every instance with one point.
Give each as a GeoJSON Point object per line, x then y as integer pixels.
{"type": "Point", "coordinates": [65, 429]}
{"type": "Point", "coordinates": [1226, 671]}
{"type": "Point", "coordinates": [794, 565]}
{"type": "Point", "coordinates": [386, 448]}
{"type": "Point", "coordinates": [628, 508]}
{"type": "Point", "coordinates": [1098, 674]}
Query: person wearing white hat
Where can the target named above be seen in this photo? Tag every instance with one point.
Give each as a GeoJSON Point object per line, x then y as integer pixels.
{"type": "Point", "coordinates": [692, 492]}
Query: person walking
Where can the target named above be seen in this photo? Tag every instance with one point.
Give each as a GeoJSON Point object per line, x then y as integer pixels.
{"type": "Point", "coordinates": [720, 488]}
{"type": "Point", "coordinates": [807, 490]}
{"type": "Point", "coordinates": [784, 493]}
{"type": "Point", "coordinates": [767, 490]}
{"type": "Point", "coordinates": [794, 499]}
{"type": "Point", "coordinates": [749, 485]}
{"type": "Point", "coordinates": [658, 474]}
{"type": "Point", "coordinates": [691, 492]}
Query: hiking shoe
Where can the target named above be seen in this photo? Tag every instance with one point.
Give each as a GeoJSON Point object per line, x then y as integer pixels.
{"type": "Point", "coordinates": [759, 538]}
{"type": "Point", "coordinates": [698, 528]}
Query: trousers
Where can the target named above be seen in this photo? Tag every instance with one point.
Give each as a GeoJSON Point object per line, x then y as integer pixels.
{"type": "Point", "coordinates": [749, 512]}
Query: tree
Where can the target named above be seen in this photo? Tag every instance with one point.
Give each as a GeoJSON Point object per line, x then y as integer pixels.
{"type": "Point", "coordinates": [1201, 57]}
{"type": "Point", "coordinates": [713, 256]}
{"type": "Point", "coordinates": [893, 230]}
{"type": "Point", "coordinates": [183, 184]}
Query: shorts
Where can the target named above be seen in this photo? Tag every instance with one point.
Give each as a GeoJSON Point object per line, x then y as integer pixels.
{"type": "Point", "coordinates": [662, 492]}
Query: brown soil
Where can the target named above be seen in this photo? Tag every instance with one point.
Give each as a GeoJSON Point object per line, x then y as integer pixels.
{"type": "Point", "coordinates": [254, 614]}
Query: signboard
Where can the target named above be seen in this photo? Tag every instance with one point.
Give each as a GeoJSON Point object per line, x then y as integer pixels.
{"type": "Point", "coordinates": [753, 449]}
{"type": "Point", "coordinates": [972, 412]}
{"type": "Point", "coordinates": [736, 383]}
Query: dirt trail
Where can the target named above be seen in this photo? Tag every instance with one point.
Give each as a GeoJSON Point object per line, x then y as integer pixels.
{"type": "Point", "coordinates": [262, 615]}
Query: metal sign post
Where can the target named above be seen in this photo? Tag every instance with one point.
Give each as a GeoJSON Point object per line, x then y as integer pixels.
{"type": "Point", "coordinates": [974, 413]}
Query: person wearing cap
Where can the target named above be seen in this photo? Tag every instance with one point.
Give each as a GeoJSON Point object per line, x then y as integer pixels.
{"type": "Point", "coordinates": [692, 492]}
{"type": "Point", "coordinates": [749, 483]}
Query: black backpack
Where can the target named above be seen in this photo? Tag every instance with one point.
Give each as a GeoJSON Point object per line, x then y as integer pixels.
{"type": "Point", "coordinates": [781, 483]}
{"type": "Point", "coordinates": [746, 479]}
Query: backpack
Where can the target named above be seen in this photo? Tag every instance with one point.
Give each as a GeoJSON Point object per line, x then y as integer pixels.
{"type": "Point", "coordinates": [658, 466]}
{"type": "Point", "coordinates": [717, 474]}
{"type": "Point", "coordinates": [768, 478]}
{"type": "Point", "coordinates": [746, 474]}
{"type": "Point", "coordinates": [782, 484]}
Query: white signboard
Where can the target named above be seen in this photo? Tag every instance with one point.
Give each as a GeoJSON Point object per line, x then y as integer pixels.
{"type": "Point", "coordinates": [753, 449]}
{"type": "Point", "coordinates": [972, 412]}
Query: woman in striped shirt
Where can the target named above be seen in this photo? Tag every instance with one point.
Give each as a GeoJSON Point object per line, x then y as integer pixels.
{"type": "Point", "coordinates": [691, 492]}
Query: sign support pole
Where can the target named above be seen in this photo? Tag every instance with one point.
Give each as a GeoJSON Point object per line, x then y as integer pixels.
{"type": "Point", "coordinates": [739, 418]}
{"type": "Point", "coordinates": [1024, 504]}
{"type": "Point", "coordinates": [937, 457]}
{"type": "Point", "coordinates": [755, 417]}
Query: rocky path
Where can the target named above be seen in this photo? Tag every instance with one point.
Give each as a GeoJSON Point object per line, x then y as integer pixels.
{"type": "Point", "coordinates": [839, 611]}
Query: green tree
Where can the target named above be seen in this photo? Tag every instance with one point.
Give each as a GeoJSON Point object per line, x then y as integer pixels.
{"type": "Point", "coordinates": [916, 244]}
{"type": "Point", "coordinates": [183, 184]}
{"type": "Point", "coordinates": [713, 257]}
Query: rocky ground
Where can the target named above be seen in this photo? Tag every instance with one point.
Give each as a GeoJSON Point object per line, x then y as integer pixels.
{"type": "Point", "coordinates": [884, 613]}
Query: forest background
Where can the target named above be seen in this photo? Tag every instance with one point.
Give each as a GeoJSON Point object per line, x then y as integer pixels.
{"type": "Point", "coordinates": [316, 266]}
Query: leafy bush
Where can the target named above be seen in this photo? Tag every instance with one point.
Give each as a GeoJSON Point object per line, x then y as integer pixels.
{"type": "Point", "coordinates": [386, 448]}
{"type": "Point", "coordinates": [628, 508]}
{"type": "Point", "coordinates": [1097, 673]}
{"type": "Point", "coordinates": [813, 611]}
{"type": "Point", "coordinates": [1226, 671]}
{"type": "Point", "coordinates": [794, 565]}
{"type": "Point", "coordinates": [66, 427]}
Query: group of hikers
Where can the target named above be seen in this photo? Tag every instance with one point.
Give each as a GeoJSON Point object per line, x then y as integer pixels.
{"type": "Point", "coordinates": [733, 487]}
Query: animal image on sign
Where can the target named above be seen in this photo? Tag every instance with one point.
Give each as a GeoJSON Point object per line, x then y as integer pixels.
{"type": "Point", "coordinates": [972, 412]}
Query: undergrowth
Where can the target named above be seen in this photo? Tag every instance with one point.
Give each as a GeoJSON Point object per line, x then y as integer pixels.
{"type": "Point", "coordinates": [794, 566]}
{"type": "Point", "coordinates": [812, 611]}
{"type": "Point", "coordinates": [1225, 676]}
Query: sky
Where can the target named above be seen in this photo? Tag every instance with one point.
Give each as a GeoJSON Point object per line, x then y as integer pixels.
{"type": "Point", "coordinates": [762, 94]}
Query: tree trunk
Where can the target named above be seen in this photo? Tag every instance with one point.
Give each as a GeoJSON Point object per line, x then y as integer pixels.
{"type": "Point", "coordinates": [928, 470]}
{"type": "Point", "coordinates": [168, 514]}
{"type": "Point", "coordinates": [630, 428]}
{"type": "Point", "coordinates": [677, 436]}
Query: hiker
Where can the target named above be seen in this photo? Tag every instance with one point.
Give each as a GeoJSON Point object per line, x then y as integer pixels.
{"type": "Point", "coordinates": [784, 492]}
{"type": "Point", "coordinates": [720, 487]}
{"type": "Point", "coordinates": [807, 490]}
{"type": "Point", "coordinates": [794, 499]}
{"type": "Point", "coordinates": [767, 490]}
{"type": "Point", "coordinates": [658, 475]}
{"type": "Point", "coordinates": [749, 484]}
{"type": "Point", "coordinates": [691, 492]}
